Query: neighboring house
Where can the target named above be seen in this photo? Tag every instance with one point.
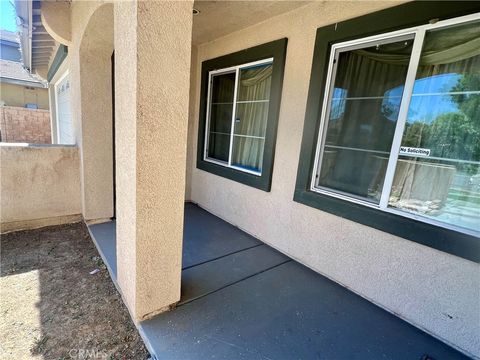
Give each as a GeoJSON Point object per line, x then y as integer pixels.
{"type": "Point", "coordinates": [47, 56]}
{"type": "Point", "coordinates": [23, 97]}
{"type": "Point", "coordinates": [9, 46]}
{"type": "Point", "coordinates": [21, 89]}
{"type": "Point", "coordinates": [343, 134]}
{"type": "Point", "coordinates": [59, 93]}
{"type": "Point", "coordinates": [60, 97]}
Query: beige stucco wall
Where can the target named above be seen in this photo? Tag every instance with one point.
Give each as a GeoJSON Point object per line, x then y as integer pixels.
{"type": "Point", "coordinates": [90, 78]}
{"type": "Point", "coordinates": [126, 133]}
{"type": "Point", "coordinates": [39, 185]}
{"type": "Point", "coordinates": [192, 108]}
{"type": "Point", "coordinates": [151, 134]}
{"type": "Point", "coordinates": [433, 290]}
{"type": "Point", "coordinates": [16, 95]}
{"type": "Point", "coordinates": [151, 116]}
{"type": "Point", "coordinates": [162, 119]}
{"type": "Point", "coordinates": [56, 19]}
{"type": "Point", "coordinates": [95, 52]}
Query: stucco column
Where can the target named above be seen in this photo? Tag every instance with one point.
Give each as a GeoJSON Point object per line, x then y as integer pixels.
{"type": "Point", "coordinates": [152, 70]}
{"type": "Point", "coordinates": [95, 123]}
{"type": "Point", "coordinates": [55, 18]}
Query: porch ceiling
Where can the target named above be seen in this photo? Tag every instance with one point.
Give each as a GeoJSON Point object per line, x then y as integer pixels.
{"type": "Point", "coordinates": [36, 43]}
{"type": "Point", "coordinates": [43, 44]}
{"type": "Point", "coordinates": [219, 18]}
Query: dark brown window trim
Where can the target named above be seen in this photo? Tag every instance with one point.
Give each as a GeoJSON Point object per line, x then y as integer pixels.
{"type": "Point", "coordinates": [399, 17]}
{"type": "Point", "coordinates": [276, 50]}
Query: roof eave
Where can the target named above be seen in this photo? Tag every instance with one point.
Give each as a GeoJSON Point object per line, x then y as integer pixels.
{"type": "Point", "coordinates": [12, 81]}
{"type": "Point", "coordinates": [24, 27]}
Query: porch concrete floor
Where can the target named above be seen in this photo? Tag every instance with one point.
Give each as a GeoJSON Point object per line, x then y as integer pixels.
{"type": "Point", "coordinates": [241, 299]}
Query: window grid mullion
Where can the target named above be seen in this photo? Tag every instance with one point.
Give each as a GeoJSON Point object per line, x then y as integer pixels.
{"type": "Point", "coordinates": [234, 110]}
{"type": "Point", "coordinates": [402, 116]}
{"type": "Point", "coordinates": [333, 63]}
{"type": "Point", "coordinates": [207, 122]}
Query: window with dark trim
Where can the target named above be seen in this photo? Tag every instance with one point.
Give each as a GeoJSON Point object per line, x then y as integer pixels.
{"type": "Point", "coordinates": [391, 136]}
{"type": "Point", "coordinates": [240, 103]}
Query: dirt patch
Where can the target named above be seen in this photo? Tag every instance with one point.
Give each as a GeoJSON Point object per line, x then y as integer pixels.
{"type": "Point", "coordinates": [53, 308]}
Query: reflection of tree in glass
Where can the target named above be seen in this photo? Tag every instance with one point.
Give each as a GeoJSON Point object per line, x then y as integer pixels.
{"type": "Point", "coordinates": [454, 135]}
{"type": "Point", "coordinates": [470, 105]}
{"type": "Point", "coordinates": [390, 110]}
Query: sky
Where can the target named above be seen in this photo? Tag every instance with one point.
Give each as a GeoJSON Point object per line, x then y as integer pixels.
{"type": "Point", "coordinates": [430, 99]}
{"type": "Point", "coordinates": [7, 15]}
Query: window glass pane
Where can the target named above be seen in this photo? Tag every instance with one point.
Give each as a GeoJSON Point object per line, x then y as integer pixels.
{"type": "Point", "coordinates": [438, 172]}
{"type": "Point", "coordinates": [219, 146]}
{"type": "Point", "coordinates": [251, 119]}
{"type": "Point", "coordinates": [248, 153]}
{"type": "Point", "coordinates": [251, 116]}
{"type": "Point", "coordinates": [220, 124]}
{"type": "Point", "coordinates": [255, 83]}
{"type": "Point", "coordinates": [363, 112]}
{"type": "Point", "coordinates": [223, 86]}
{"type": "Point", "coordinates": [221, 118]}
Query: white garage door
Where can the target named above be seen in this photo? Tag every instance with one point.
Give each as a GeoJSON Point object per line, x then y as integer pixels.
{"type": "Point", "coordinates": [64, 115]}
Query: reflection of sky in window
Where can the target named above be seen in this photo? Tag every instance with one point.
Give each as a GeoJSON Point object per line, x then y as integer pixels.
{"type": "Point", "coordinates": [338, 103]}
{"type": "Point", "coordinates": [391, 103]}
{"type": "Point", "coordinates": [427, 108]}
{"type": "Point", "coordinates": [256, 66]}
{"type": "Point", "coordinates": [428, 99]}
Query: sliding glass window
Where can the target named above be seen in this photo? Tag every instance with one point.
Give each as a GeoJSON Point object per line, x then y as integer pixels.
{"type": "Point", "coordinates": [400, 124]}
{"type": "Point", "coordinates": [237, 113]}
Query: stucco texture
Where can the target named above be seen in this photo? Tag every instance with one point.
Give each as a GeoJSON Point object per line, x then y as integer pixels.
{"type": "Point", "coordinates": [151, 120]}
{"type": "Point", "coordinates": [126, 134]}
{"type": "Point", "coordinates": [433, 290]}
{"type": "Point", "coordinates": [56, 19]}
{"type": "Point", "coordinates": [17, 95]}
{"type": "Point", "coordinates": [91, 103]}
{"type": "Point", "coordinates": [40, 185]}
{"type": "Point", "coordinates": [162, 120]}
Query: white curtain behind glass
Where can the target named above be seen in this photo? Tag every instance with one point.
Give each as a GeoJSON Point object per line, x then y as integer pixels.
{"type": "Point", "coordinates": [251, 117]}
{"type": "Point", "coordinates": [362, 121]}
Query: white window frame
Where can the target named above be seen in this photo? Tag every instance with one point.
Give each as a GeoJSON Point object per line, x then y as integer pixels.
{"type": "Point", "coordinates": [236, 70]}
{"type": "Point", "coordinates": [60, 79]}
{"type": "Point", "coordinates": [419, 35]}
